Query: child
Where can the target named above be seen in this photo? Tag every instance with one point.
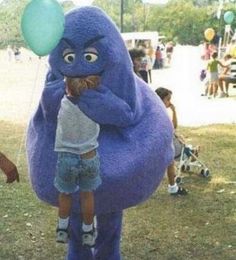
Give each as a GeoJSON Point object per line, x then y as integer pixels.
{"type": "Point", "coordinates": [137, 56]}
{"type": "Point", "coordinates": [78, 160]}
{"type": "Point", "coordinates": [9, 169]}
{"type": "Point", "coordinates": [212, 68]}
{"type": "Point", "coordinates": [173, 188]}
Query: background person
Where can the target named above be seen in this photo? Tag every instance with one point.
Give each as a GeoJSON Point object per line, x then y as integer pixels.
{"type": "Point", "coordinates": [169, 51]}
{"type": "Point", "coordinates": [9, 169]}
{"type": "Point", "coordinates": [213, 75]}
{"type": "Point", "coordinates": [158, 64]}
{"type": "Point", "coordinates": [229, 74]}
{"type": "Point", "coordinates": [173, 188]}
{"type": "Point", "coordinates": [136, 56]}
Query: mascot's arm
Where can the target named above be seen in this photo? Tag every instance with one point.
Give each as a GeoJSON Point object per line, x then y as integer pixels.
{"type": "Point", "coordinates": [52, 94]}
{"type": "Point", "coordinates": [104, 107]}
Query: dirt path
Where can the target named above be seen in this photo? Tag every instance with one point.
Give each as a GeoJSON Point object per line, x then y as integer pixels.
{"type": "Point", "coordinates": [183, 79]}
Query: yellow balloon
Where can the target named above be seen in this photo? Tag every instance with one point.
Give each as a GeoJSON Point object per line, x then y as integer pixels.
{"type": "Point", "coordinates": [209, 34]}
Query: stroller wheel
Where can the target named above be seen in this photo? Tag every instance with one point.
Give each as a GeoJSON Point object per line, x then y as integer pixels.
{"type": "Point", "coordinates": [183, 168]}
{"type": "Point", "coordinates": [205, 172]}
{"type": "Point", "coordinates": [188, 168]}
{"type": "Point", "coordinates": [178, 180]}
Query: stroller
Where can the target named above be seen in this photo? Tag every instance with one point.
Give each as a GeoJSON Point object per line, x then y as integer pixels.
{"type": "Point", "coordinates": [187, 159]}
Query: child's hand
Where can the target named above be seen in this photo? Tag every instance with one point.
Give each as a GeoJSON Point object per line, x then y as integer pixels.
{"type": "Point", "coordinates": [13, 175]}
{"type": "Point", "coordinates": [172, 107]}
{"type": "Point", "coordinates": [9, 169]}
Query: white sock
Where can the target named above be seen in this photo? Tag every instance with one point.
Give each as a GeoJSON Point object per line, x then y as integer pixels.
{"type": "Point", "coordinates": [173, 188]}
{"type": "Point", "coordinates": [87, 228]}
{"type": "Point", "coordinates": [63, 223]}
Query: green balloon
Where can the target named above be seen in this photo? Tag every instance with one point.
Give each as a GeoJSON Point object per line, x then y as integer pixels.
{"type": "Point", "coordinates": [42, 25]}
{"type": "Point", "coordinates": [229, 17]}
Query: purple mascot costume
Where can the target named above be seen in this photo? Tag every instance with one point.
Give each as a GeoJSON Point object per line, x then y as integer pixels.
{"type": "Point", "coordinates": [136, 133]}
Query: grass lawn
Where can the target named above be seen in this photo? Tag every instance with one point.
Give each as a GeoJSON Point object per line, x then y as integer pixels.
{"type": "Point", "coordinates": [199, 226]}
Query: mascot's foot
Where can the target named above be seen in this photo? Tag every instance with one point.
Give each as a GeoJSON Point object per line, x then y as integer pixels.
{"type": "Point", "coordinates": [62, 236]}
{"type": "Point", "coordinates": [89, 238]}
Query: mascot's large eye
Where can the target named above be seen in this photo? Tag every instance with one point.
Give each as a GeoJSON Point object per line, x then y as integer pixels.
{"type": "Point", "coordinates": [90, 56]}
{"type": "Point", "coordinates": [68, 56]}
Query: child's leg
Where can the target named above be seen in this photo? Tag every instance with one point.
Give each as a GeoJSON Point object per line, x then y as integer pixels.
{"type": "Point", "coordinates": [207, 86]}
{"type": "Point", "coordinates": [63, 217]}
{"type": "Point", "coordinates": [64, 205]}
{"type": "Point", "coordinates": [89, 181]}
{"type": "Point", "coordinates": [215, 89]}
{"type": "Point", "coordinates": [210, 89]}
{"type": "Point", "coordinates": [171, 174]}
{"type": "Point", "coordinates": [227, 88]}
{"type": "Point", "coordinates": [87, 206]}
{"type": "Point", "coordinates": [89, 231]}
{"type": "Point", "coordinates": [173, 188]}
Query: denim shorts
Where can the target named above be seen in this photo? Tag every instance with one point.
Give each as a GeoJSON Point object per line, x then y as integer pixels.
{"type": "Point", "coordinates": [74, 173]}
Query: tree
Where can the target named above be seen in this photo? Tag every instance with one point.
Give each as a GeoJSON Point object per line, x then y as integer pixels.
{"type": "Point", "coordinates": [182, 20]}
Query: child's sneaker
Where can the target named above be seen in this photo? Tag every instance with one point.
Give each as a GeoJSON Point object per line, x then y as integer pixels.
{"type": "Point", "coordinates": [181, 191]}
{"type": "Point", "coordinates": [62, 235]}
{"type": "Point", "coordinates": [89, 238]}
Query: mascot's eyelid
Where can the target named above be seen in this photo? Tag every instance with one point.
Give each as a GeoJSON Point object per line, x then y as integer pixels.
{"type": "Point", "coordinates": [91, 50]}
{"type": "Point", "coordinates": [93, 40]}
{"type": "Point", "coordinates": [66, 52]}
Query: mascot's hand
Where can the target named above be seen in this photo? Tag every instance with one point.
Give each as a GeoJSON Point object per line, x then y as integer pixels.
{"type": "Point", "coordinates": [53, 76]}
{"type": "Point", "coordinates": [104, 107]}
{"type": "Point", "coordinates": [51, 98]}
{"type": "Point", "coordinates": [9, 169]}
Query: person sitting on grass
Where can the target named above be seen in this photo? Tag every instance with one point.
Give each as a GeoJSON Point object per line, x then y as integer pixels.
{"type": "Point", "coordinates": [9, 169]}
{"type": "Point", "coordinates": [78, 165]}
{"type": "Point", "coordinates": [173, 188]}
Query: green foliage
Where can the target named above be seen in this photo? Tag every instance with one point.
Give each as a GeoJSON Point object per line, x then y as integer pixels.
{"type": "Point", "coordinates": [182, 20]}
{"type": "Point", "coordinates": [10, 15]}
{"type": "Point", "coordinates": [10, 20]}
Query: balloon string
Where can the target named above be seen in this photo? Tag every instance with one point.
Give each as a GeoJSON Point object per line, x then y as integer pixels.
{"type": "Point", "coordinates": [22, 142]}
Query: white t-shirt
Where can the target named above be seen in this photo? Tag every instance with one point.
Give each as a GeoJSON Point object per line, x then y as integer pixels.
{"type": "Point", "coordinates": [76, 133]}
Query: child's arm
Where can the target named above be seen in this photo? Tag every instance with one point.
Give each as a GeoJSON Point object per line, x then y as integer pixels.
{"type": "Point", "coordinates": [9, 169]}
{"type": "Point", "coordinates": [222, 65]}
{"type": "Point", "coordinates": [226, 70]}
{"type": "Point", "coordinates": [174, 116]}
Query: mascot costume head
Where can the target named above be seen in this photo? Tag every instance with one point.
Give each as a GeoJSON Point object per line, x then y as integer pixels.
{"type": "Point", "coordinates": [136, 133]}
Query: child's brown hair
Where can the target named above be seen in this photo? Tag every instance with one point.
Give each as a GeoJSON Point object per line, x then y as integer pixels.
{"type": "Point", "coordinates": [76, 85]}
